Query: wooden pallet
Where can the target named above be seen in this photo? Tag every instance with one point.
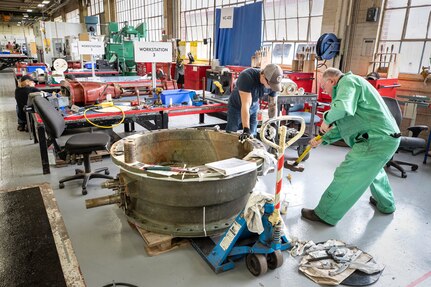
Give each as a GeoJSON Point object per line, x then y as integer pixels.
{"type": "Point", "coordinates": [156, 244]}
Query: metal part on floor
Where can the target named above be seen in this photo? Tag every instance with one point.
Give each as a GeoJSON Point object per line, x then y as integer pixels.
{"type": "Point", "coordinates": [179, 195]}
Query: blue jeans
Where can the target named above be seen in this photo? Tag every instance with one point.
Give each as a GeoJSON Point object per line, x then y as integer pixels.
{"type": "Point", "coordinates": [234, 119]}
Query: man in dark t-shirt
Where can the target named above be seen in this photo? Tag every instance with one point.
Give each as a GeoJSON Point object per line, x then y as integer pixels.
{"type": "Point", "coordinates": [25, 87]}
{"type": "Point", "coordinates": [243, 104]}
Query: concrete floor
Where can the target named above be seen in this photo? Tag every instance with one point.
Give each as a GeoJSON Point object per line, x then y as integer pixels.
{"type": "Point", "coordinates": [108, 249]}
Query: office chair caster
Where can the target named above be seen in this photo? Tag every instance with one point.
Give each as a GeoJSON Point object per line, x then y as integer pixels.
{"type": "Point", "coordinates": [415, 167]}
{"type": "Point", "coordinates": [403, 174]}
{"type": "Point", "coordinates": [106, 172]}
{"type": "Point", "coordinates": [78, 171]}
{"type": "Point", "coordinates": [84, 191]}
{"type": "Point", "coordinates": [61, 185]}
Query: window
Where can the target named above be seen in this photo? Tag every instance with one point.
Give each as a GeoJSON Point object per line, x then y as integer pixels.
{"type": "Point", "coordinates": [197, 22]}
{"type": "Point", "coordinates": [290, 26]}
{"type": "Point", "coordinates": [95, 8]}
{"type": "Point", "coordinates": [136, 12]}
{"type": "Point", "coordinates": [73, 16]}
{"type": "Point", "coordinates": [406, 30]}
{"type": "Point", "coordinates": [286, 24]}
{"type": "Point", "coordinates": [58, 19]}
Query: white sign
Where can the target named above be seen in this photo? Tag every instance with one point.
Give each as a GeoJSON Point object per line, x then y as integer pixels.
{"type": "Point", "coordinates": [153, 52]}
{"type": "Point", "coordinates": [91, 48]}
{"type": "Point", "coordinates": [226, 18]}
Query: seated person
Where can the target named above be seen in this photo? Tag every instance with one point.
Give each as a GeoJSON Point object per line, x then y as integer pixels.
{"type": "Point", "coordinates": [25, 87]}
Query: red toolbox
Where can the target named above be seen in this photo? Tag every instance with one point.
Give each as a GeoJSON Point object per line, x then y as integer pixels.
{"type": "Point", "coordinates": [302, 80]}
{"type": "Point", "coordinates": [193, 74]}
{"type": "Point", "coordinates": [386, 87]}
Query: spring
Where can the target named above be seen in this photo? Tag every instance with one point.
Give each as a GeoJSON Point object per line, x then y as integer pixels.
{"type": "Point", "coordinates": [277, 232]}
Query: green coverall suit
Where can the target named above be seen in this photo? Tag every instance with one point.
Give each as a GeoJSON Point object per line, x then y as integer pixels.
{"type": "Point", "coordinates": [360, 117]}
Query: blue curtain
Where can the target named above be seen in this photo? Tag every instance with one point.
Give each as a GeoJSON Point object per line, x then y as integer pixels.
{"type": "Point", "coordinates": [235, 46]}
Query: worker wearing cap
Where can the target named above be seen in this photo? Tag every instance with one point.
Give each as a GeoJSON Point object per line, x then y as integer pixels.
{"type": "Point", "coordinates": [25, 87]}
{"type": "Point", "coordinates": [243, 104]}
{"type": "Point", "coordinates": [360, 117]}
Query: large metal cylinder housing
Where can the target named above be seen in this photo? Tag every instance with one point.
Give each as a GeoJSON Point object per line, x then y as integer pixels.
{"type": "Point", "coordinates": [186, 204]}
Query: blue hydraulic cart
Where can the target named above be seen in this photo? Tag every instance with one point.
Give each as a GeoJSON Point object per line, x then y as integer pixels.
{"type": "Point", "coordinates": [262, 251]}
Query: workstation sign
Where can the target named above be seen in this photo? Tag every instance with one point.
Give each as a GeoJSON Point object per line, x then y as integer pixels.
{"type": "Point", "coordinates": [153, 52]}
{"type": "Point", "coordinates": [226, 18]}
{"type": "Point", "coordinates": [91, 48]}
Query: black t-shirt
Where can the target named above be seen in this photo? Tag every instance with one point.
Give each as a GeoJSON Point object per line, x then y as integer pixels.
{"type": "Point", "coordinates": [249, 81]}
{"type": "Point", "coordinates": [21, 95]}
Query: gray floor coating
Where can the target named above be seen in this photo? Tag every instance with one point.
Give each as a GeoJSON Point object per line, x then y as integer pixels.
{"type": "Point", "coordinates": [108, 249]}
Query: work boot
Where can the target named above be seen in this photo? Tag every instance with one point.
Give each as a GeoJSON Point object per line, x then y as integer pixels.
{"type": "Point", "coordinates": [311, 215]}
{"type": "Point", "coordinates": [373, 202]}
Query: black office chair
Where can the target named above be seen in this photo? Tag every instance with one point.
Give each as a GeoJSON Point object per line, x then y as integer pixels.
{"type": "Point", "coordinates": [413, 142]}
{"type": "Point", "coordinates": [83, 143]}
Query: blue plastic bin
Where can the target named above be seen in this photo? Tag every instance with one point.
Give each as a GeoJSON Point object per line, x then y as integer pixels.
{"type": "Point", "coordinates": [89, 65]}
{"type": "Point", "coordinates": [31, 69]}
{"type": "Point", "coordinates": [177, 96]}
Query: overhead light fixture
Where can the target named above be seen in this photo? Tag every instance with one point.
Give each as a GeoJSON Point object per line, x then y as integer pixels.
{"type": "Point", "coordinates": [29, 10]}
{"type": "Point", "coordinates": [40, 5]}
{"type": "Point", "coordinates": [45, 2]}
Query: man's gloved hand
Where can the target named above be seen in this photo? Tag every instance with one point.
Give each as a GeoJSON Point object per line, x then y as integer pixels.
{"type": "Point", "coordinates": [245, 135]}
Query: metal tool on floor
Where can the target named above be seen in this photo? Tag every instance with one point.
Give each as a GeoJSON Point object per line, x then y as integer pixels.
{"type": "Point", "coordinates": [294, 166]}
{"type": "Point", "coordinates": [262, 251]}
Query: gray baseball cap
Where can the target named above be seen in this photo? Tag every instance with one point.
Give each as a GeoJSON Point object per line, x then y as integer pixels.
{"type": "Point", "coordinates": [273, 74]}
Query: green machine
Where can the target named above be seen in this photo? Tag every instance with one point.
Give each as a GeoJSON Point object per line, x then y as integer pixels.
{"type": "Point", "coordinates": [120, 46]}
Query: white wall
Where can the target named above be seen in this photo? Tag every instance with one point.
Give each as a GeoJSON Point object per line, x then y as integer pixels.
{"type": "Point", "coordinates": [54, 30]}
{"type": "Point", "coordinates": [11, 32]}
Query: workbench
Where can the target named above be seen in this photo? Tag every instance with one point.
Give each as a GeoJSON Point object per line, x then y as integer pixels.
{"type": "Point", "coordinates": [151, 119]}
{"type": "Point", "coordinates": [80, 73]}
{"type": "Point", "coordinates": [8, 60]}
{"type": "Point", "coordinates": [124, 81]}
{"type": "Point", "coordinates": [282, 100]}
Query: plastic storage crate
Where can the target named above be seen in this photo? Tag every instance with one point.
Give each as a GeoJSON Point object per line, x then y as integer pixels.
{"type": "Point", "coordinates": [31, 69]}
{"type": "Point", "coordinates": [177, 96]}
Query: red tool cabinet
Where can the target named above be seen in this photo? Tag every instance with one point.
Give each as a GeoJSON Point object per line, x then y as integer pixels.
{"type": "Point", "coordinates": [193, 74]}
{"type": "Point", "coordinates": [302, 80]}
{"type": "Point", "coordinates": [386, 87]}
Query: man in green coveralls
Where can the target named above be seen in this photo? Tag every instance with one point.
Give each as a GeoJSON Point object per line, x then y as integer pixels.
{"type": "Point", "coordinates": [359, 116]}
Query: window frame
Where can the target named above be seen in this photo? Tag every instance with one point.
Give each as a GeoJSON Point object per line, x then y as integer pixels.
{"type": "Point", "coordinates": [136, 12]}
{"type": "Point", "coordinates": [186, 25]}
{"type": "Point", "coordinates": [425, 42]}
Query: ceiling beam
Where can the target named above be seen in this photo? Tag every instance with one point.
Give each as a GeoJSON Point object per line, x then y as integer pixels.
{"type": "Point", "coordinates": [20, 14]}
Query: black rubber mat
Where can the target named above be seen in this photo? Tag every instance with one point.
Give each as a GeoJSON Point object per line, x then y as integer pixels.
{"type": "Point", "coordinates": [27, 248]}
